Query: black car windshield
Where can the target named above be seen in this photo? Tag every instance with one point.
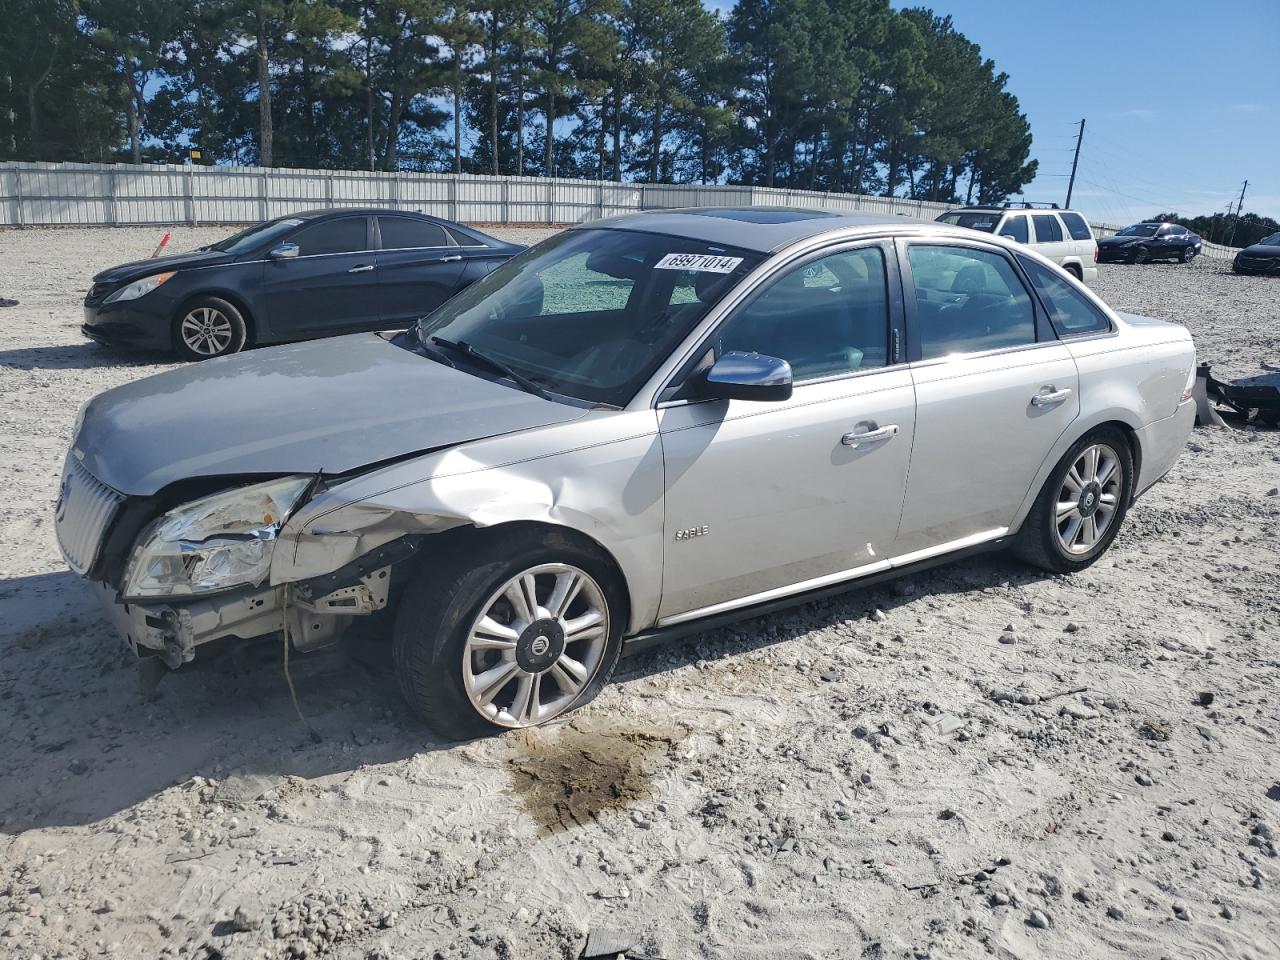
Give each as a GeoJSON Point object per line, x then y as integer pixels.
{"type": "Point", "coordinates": [986, 222]}
{"type": "Point", "coordinates": [257, 235]}
{"type": "Point", "coordinates": [591, 313]}
{"type": "Point", "coordinates": [1271, 241]}
{"type": "Point", "coordinates": [1139, 230]}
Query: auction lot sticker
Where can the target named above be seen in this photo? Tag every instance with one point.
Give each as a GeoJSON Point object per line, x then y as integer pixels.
{"type": "Point", "coordinates": [698, 262]}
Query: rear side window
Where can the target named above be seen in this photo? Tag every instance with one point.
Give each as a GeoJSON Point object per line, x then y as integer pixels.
{"type": "Point", "coordinates": [968, 301]}
{"type": "Point", "coordinates": [333, 236]}
{"type": "Point", "coordinates": [1048, 229]}
{"type": "Point", "coordinates": [1076, 226]}
{"type": "Point", "coordinates": [399, 233]}
{"type": "Point", "coordinates": [1015, 228]}
{"type": "Point", "coordinates": [1069, 310]}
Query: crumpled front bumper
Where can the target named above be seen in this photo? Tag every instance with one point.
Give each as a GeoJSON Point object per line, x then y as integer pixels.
{"type": "Point", "coordinates": [173, 631]}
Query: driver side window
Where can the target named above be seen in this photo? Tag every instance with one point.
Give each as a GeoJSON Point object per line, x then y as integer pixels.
{"type": "Point", "coordinates": [826, 317]}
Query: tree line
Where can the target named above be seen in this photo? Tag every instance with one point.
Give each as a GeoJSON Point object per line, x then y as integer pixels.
{"type": "Point", "coordinates": [841, 95]}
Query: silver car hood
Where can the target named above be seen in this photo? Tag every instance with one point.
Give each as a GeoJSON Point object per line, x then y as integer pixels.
{"type": "Point", "coordinates": [324, 406]}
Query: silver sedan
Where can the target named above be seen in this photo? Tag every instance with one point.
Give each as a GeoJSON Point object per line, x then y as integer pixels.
{"type": "Point", "coordinates": [638, 428]}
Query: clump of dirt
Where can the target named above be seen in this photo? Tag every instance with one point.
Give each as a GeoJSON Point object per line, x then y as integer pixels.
{"type": "Point", "coordinates": [567, 776]}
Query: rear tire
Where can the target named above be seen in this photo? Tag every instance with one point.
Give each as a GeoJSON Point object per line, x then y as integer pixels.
{"type": "Point", "coordinates": [476, 654]}
{"type": "Point", "coordinates": [1187, 255]}
{"type": "Point", "coordinates": [1081, 506]}
{"type": "Point", "coordinates": [208, 327]}
{"type": "Point", "coordinates": [1075, 271]}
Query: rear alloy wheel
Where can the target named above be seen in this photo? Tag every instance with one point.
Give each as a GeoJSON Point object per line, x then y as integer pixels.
{"type": "Point", "coordinates": [1081, 505]}
{"type": "Point", "coordinates": [1188, 254]}
{"type": "Point", "coordinates": [208, 327]}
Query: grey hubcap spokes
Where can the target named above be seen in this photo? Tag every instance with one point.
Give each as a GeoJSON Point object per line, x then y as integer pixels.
{"type": "Point", "coordinates": [538, 641]}
{"type": "Point", "coordinates": [1089, 498]}
{"type": "Point", "coordinates": [206, 330]}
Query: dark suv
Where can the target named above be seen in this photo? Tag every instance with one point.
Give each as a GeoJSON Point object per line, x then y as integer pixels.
{"type": "Point", "coordinates": [307, 275]}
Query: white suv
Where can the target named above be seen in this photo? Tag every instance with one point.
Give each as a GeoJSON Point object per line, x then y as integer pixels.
{"type": "Point", "coordinates": [1063, 236]}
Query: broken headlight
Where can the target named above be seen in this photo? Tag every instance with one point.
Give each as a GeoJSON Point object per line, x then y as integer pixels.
{"type": "Point", "coordinates": [207, 545]}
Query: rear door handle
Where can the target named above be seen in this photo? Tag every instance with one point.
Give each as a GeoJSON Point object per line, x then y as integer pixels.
{"type": "Point", "coordinates": [362, 268]}
{"type": "Point", "coordinates": [1049, 396]}
{"type": "Point", "coordinates": [870, 436]}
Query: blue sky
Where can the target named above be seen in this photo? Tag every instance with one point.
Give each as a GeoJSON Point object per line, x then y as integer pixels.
{"type": "Point", "coordinates": [1181, 98]}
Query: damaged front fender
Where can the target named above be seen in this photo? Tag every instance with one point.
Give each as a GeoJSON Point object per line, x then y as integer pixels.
{"type": "Point", "coordinates": [608, 488]}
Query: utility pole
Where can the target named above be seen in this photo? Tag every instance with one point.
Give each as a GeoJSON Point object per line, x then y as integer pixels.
{"type": "Point", "coordinates": [1239, 207]}
{"type": "Point", "coordinates": [1075, 160]}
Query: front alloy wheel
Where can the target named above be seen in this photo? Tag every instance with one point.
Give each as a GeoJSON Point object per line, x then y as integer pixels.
{"type": "Point", "coordinates": [504, 629]}
{"type": "Point", "coordinates": [536, 644]}
{"type": "Point", "coordinates": [208, 327]}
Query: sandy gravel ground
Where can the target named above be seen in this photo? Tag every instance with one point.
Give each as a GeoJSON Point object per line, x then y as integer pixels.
{"type": "Point", "coordinates": [878, 775]}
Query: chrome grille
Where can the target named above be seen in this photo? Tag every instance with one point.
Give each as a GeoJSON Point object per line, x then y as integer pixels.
{"type": "Point", "coordinates": [85, 507]}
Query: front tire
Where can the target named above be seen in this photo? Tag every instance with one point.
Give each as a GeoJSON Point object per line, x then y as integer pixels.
{"type": "Point", "coordinates": [1141, 255]}
{"type": "Point", "coordinates": [523, 629]}
{"type": "Point", "coordinates": [1081, 506]}
{"type": "Point", "coordinates": [208, 327]}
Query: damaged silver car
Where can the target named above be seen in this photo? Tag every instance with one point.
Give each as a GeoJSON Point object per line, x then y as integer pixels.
{"type": "Point", "coordinates": [638, 428]}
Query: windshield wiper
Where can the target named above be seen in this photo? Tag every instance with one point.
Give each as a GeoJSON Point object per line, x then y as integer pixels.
{"type": "Point", "coordinates": [493, 364]}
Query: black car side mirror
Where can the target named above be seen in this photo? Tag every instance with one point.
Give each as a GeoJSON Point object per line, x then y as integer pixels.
{"type": "Point", "coordinates": [284, 251]}
{"type": "Point", "coordinates": [747, 376]}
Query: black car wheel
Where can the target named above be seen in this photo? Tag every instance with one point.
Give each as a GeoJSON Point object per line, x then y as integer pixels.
{"type": "Point", "coordinates": [208, 327]}
{"type": "Point", "coordinates": [516, 631]}
{"type": "Point", "coordinates": [1141, 255]}
{"type": "Point", "coordinates": [1188, 254]}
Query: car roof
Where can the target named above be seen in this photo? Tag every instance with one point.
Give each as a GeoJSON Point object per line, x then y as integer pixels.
{"type": "Point", "coordinates": [357, 211]}
{"type": "Point", "coordinates": [762, 229]}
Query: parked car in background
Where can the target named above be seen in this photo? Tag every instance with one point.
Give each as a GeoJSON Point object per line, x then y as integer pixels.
{"type": "Point", "coordinates": [638, 428]}
{"type": "Point", "coordinates": [307, 275]}
{"type": "Point", "coordinates": [1143, 242]}
{"type": "Point", "coordinates": [1063, 236]}
{"type": "Point", "coordinates": [1260, 257]}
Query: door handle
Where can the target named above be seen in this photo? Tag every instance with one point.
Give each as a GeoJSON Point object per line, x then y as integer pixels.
{"type": "Point", "coordinates": [870, 436]}
{"type": "Point", "coordinates": [456, 256]}
{"type": "Point", "coordinates": [363, 268]}
{"type": "Point", "coordinates": [1050, 396]}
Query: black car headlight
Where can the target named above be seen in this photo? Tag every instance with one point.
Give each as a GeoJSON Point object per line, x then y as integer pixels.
{"type": "Point", "coordinates": [139, 288]}
{"type": "Point", "coordinates": [220, 541]}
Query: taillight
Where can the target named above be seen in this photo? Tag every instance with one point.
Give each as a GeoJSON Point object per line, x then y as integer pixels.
{"type": "Point", "coordinates": [1095, 253]}
{"type": "Point", "coordinates": [1191, 381]}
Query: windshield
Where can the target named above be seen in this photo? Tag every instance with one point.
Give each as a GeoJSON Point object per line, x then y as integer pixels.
{"type": "Point", "coordinates": [986, 222]}
{"type": "Point", "coordinates": [1271, 241]}
{"type": "Point", "coordinates": [1139, 230]}
{"type": "Point", "coordinates": [257, 235]}
{"type": "Point", "coordinates": [590, 314]}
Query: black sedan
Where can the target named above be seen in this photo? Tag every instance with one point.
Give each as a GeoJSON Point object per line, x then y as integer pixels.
{"type": "Point", "coordinates": [307, 275]}
{"type": "Point", "coordinates": [1260, 257]}
{"type": "Point", "coordinates": [1144, 242]}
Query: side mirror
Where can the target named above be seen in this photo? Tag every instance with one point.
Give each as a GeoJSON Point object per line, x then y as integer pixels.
{"type": "Point", "coordinates": [284, 251]}
{"type": "Point", "coordinates": [747, 376]}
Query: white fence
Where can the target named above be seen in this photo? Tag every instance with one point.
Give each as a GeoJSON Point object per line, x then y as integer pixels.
{"type": "Point", "coordinates": [97, 194]}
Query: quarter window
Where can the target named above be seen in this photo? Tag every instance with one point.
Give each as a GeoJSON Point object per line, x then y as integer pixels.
{"type": "Point", "coordinates": [1076, 226]}
{"type": "Point", "coordinates": [1015, 228]}
{"type": "Point", "coordinates": [968, 301]}
{"type": "Point", "coordinates": [332, 236]}
{"type": "Point", "coordinates": [1048, 230]}
{"type": "Point", "coordinates": [826, 318]}
{"type": "Point", "coordinates": [399, 233]}
{"type": "Point", "coordinates": [1069, 310]}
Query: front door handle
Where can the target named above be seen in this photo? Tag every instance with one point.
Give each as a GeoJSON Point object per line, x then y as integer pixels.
{"type": "Point", "coordinates": [363, 268]}
{"type": "Point", "coordinates": [1049, 396]}
{"type": "Point", "coordinates": [456, 256]}
{"type": "Point", "coordinates": [870, 436]}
